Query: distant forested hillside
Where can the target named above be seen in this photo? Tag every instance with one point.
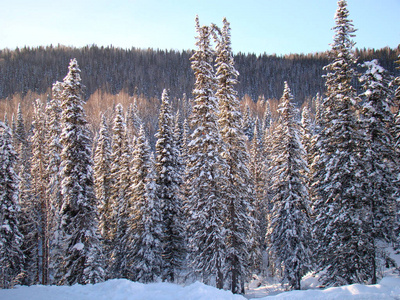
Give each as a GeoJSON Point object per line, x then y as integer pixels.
{"type": "Point", "coordinates": [148, 72]}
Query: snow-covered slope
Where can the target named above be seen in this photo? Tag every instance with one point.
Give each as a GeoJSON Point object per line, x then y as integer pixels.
{"type": "Point", "coordinates": [121, 289]}
{"type": "Point", "coordinates": [388, 288]}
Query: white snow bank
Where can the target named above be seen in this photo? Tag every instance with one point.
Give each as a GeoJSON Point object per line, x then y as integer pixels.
{"type": "Point", "coordinates": [122, 289]}
{"type": "Point", "coordinates": [388, 288]}
{"type": "Point", "coordinates": [119, 289]}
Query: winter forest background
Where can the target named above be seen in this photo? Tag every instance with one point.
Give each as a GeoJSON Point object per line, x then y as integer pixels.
{"type": "Point", "coordinates": [219, 181]}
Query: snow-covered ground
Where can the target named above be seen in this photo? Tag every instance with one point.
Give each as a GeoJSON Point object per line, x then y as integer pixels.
{"type": "Point", "coordinates": [121, 289]}
{"type": "Point", "coordinates": [118, 289]}
{"type": "Point", "coordinates": [259, 288]}
{"type": "Point", "coordinates": [388, 288]}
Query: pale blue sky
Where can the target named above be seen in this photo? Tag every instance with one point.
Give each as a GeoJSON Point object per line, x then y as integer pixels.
{"type": "Point", "coordinates": [258, 26]}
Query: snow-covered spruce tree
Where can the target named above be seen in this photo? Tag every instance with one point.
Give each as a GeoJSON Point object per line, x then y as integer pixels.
{"type": "Point", "coordinates": [39, 206]}
{"type": "Point", "coordinates": [28, 227]}
{"type": "Point", "coordinates": [380, 155]}
{"type": "Point", "coordinates": [26, 223]}
{"type": "Point", "coordinates": [145, 256]}
{"type": "Point", "coordinates": [33, 204]}
{"type": "Point", "coordinates": [180, 148]}
{"type": "Point", "coordinates": [204, 172]}
{"type": "Point", "coordinates": [54, 148]}
{"type": "Point", "coordinates": [22, 146]}
{"type": "Point", "coordinates": [184, 160]}
{"type": "Point", "coordinates": [80, 260]}
{"type": "Point", "coordinates": [257, 173]}
{"type": "Point", "coordinates": [168, 182]}
{"type": "Point", "coordinates": [11, 256]}
{"type": "Point", "coordinates": [26, 216]}
{"type": "Point", "coordinates": [120, 199]}
{"type": "Point", "coordinates": [266, 164]}
{"type": "Point", "coordinates": [289, 231]}
{"type": "Point", "coordinates": [119, 172]}
{"type": "Point", "coordinates": [239, 189]}
{"type": "Point", "coordinates": [339, 180]}
{"type": "Point", "coordinates": [120, 266]}
{"type": "Point", "coordinates": [102, 183]}
{"type": "Point", "coordinates": [53, 185]}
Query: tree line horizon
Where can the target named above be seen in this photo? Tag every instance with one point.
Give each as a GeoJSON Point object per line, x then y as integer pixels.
{"type": "Point", "coordinates": [149, 71]}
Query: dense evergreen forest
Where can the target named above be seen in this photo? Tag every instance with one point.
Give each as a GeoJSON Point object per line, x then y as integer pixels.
{"type": "Point", "coordinates": [212, 188]}
{"type": "Point", "coordinates": [149, 71]}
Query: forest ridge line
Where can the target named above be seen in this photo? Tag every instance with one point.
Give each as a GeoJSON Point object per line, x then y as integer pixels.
{"type": "Point", "coordinates": [149, 71]}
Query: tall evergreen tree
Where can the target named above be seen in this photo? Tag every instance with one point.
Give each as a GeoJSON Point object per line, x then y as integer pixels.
{"type": "Point", "coordinates": [119, 200]}
{"type": "Point", "coordinates": [289, 231]}
{"type": "Point", "coordinates": [53, 187]}
{"type": "Point", "coordinates": [267, 157]}
{"type": "Point", "coordinates": [145, 256]}
{"type": "Point", "coordinates": [257, 172]}
{"type": "Point", "coordinates": [102, 182]}
{"type": "Point", "coordinates": [28, 222]}
{"type": "Point", "coordinates": [380, 155]}
{"type": "Point", "coordinates": [124, 204]}
{"type": "Point", "coordinates": [81, 250]}
{"type": "Point", "coordinates": [338, 170]}
{"type": "Point", "coordinates": [180, 148]}
{"type": "Point", "coordinates": [204, 173]}
{"type": "Point", "coordinates": [184, 192]}
{"type": "Point", "coordinates": [22, 146]}
{"type": "Point", "coordinates": [28, 214]}
{"type": "Point", "coordinates": [238, 191]}
{"type": "Point", "coordinates": [168, 191]}
{"type": "Point", "coordinates": [39, 201]}
{"type": "Point", "coordinates": [11, 256]}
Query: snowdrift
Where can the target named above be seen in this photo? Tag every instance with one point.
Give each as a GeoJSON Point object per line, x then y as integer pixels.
{"type": "Point", "coordinates": [118, 289]}
{"type": "Point", "coordinates": [121, 289]}
{"type": "Point", "coordinates": [388, 288]}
